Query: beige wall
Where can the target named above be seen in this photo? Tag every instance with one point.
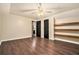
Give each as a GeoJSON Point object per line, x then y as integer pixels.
{"type": "Point", "coordinates": [51, 28]}
{"type": "Point", "coordinates": [42, 28]}
{"type": "Point", "coordinates": [0, 27]}
{"type": "Point", "coordinates": [14, 26]}
{"type": "Point", "coordinates": [66, 17]}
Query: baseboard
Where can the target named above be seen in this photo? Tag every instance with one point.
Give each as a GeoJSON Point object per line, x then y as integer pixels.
{"type": "Point", "coordinates": [51, 39]}
{"type": "Point", "coordinates": [13, 39]}
{"type": "Point", "coordinates": [67, 41]}
{"type": "Point", "coordinates": [0, 42]}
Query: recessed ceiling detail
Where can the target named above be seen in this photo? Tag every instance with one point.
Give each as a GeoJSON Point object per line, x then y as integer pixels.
{"type": "Point", "coordinates": [31, 9]}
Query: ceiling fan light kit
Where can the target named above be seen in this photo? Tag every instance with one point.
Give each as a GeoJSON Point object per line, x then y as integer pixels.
{"type": "Point", "coordinates": [40, 10]}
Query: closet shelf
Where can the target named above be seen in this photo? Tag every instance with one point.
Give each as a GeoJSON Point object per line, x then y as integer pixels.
{"type": "Point", "coordinates": [67, 34]}
{"type": "Point", "coordinates": [66, 29]}
{"type": "Point", "coordinates": [66, 24]}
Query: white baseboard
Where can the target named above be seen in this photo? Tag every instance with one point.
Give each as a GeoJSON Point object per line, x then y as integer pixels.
{"type": "Point", "coordinates": [13, 39]}
{"type": "Point", "coordinates": [51, 38]}
{"type": "Point", "coordinates": [67, 41]}
{"type": "Point", "coordinates": [0, 42]}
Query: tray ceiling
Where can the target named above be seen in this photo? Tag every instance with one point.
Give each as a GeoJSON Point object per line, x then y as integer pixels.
{"type": "Point", "coordinates": [30, 9]}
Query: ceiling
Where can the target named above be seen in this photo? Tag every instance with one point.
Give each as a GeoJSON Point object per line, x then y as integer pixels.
{"type": "Point", "coordinates": [30, 9]}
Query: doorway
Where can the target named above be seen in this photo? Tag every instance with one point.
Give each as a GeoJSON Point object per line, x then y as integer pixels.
{"type": "Point", "coordinates": [33, 28]}
{"type": "Point", "coordinates": [38, 28]}
{"type": "Point", "coordinates": [46, 28]}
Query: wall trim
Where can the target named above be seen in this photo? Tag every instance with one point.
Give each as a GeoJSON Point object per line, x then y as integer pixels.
{"type": "Point", "coordinates": [67, 41]}
{"type": "Point", "coordinates": [30, 36]}
{"type": "Point", "coordinates": [51, 39]}
{"type": "Point", "coordinates": [0, 42]}
{"type": "Point", "coordinates": [14, 39]}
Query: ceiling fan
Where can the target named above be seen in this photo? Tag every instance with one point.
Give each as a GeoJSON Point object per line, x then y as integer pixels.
{"type": "Point", "coordinates": [40, 11]}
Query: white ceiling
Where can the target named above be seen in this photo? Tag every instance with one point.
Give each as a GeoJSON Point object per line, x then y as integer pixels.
{"type": "Point", "coordinates": [30, 9]}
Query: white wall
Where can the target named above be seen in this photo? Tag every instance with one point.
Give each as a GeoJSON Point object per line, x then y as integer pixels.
{"type": "Point", "coordinates": [51, 28]}
{"type": "Point", "coordinates": [14, 26]}
{"type": "Point", "coordinates": [68, 14]}
{"type": "Point", "coordinates": [42, 28]}
{"type": "Point", "coordinates": [0, 28]}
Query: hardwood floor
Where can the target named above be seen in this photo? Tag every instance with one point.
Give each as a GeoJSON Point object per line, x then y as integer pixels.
{"type": "Point", "coordinates": [38, 46]}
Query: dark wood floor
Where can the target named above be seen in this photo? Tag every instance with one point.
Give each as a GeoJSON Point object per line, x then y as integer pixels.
{"type": "Point", "coordinates": [38, 46]}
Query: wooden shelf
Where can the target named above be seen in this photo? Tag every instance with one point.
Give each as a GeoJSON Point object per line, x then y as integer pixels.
{"type": "Point", "coordinates": [67, 24]}
{"type": "Point", "coordinates": [67, 34]}
{"type": "Point", "coordinates": [66, 29]}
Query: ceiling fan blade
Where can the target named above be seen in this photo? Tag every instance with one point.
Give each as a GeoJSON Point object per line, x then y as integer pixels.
{"type": "Point", "coordinates": [49, 11]}
{"type": "Point", "coordinates": [56, 8]}
{"type": "Point", "coordinates": [34, 12]}
{"type": "Point", "coordinates": [28, 10]}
